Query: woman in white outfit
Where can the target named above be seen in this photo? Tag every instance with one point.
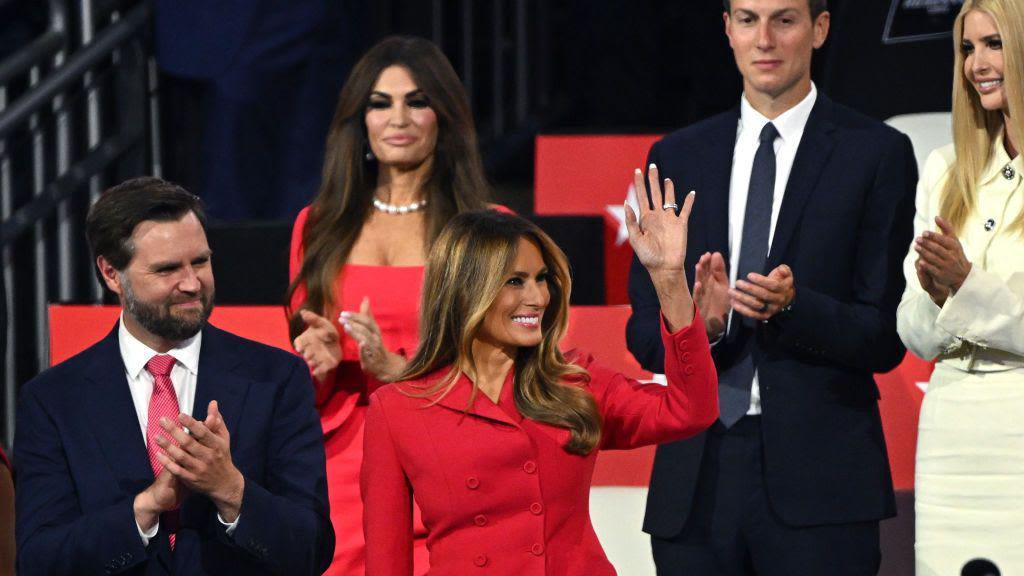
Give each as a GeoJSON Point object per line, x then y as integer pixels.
{"type": "Point", "coordinates": [964, 306]}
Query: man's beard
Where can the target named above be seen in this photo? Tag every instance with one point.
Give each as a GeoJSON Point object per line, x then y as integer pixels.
{"type": "Point", "coordinates": [158, 320]}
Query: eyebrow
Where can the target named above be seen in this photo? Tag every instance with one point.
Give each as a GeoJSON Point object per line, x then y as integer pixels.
{"type": "Point", "coordinates": [416, 92]}
{"type": "Point", "coordinates": [172, 264]}
{"type": "Point", "coordinates": [776, 14]}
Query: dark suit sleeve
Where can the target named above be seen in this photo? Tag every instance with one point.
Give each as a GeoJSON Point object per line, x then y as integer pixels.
{"type": "Point", "coordinates": [860, 332]}
{"type": "Point", "coordinates": [285, 521]}
{"type": "Point", "coordinates": [643, 329]}
{"type": "Point", "coordinates": [54, 536]}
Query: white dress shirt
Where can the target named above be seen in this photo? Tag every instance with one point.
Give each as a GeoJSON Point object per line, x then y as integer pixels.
{"type": "Point", "coordinates": [790, 125]}
{"type": "Point", "coordinates": [184, 373]}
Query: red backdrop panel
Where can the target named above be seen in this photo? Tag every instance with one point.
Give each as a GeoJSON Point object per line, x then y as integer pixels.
{"type": "Point", "coordinates": [598, 329]}
{"type": "Point", "coordinates": [586, 175]}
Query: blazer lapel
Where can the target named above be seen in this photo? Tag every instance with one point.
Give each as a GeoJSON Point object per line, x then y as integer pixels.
{"type": "Point", "coordinates": [481, 407]}
{"type": "Point", "coordinates": [217, 379]}
{"type": "Point", "coordinates": [116, 425]}
{"type": "Point", "coordinates": [716, 170]}
{"type": "Point", "coordinates": [811, 157]}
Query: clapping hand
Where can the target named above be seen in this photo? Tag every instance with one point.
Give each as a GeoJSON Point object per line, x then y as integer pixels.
{"type": "Point", "coordinates": [711, 292]}
{"type": "Point", "coordinates": [374, 358]}
{"type": "Point", "coordinates": [658, 238]}
{"type": "Point", "coordinates": [941, 264]}
{"type": "Point", "coordinates": [201, 460]}
{"type": "Point", "coordinates": [318, 344]}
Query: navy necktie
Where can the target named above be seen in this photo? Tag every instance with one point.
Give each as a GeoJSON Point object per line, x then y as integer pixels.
{"type": "Point", "coordinates": [734, 382]}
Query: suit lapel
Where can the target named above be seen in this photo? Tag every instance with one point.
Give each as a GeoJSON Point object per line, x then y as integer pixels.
{"type": "Point", "coordinates": [115, 423]}
{"type": "Point", "coordinates": [217, 379]}
{"type": "Point", "coordinates": [716, 168]}
{"type": "Point", "coordinates": [481, 407]}
{"type": "Point", "coordinates": [811, 157]}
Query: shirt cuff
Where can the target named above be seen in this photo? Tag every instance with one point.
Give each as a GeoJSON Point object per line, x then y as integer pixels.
{"type": "Point", "coordinates": [229, 527]}
{"type": "Point", "coordinates": [147, 534]}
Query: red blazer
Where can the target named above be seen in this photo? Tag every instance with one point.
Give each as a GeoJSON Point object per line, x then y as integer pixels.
{"type": "Point", "coordinates": [497, 491]}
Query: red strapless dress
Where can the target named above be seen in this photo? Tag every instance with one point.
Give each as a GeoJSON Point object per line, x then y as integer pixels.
{"type": "Point", "coordinates": [394, 293]}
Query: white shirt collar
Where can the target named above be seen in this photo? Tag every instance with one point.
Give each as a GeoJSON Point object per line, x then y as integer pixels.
{"type": "Point", "coordinates": [135, 354]}
{"type": "Point", "coordinates": [790, 123]}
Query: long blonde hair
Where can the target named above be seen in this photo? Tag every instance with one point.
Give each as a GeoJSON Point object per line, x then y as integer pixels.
{"type": "Point", "coordinates": [466, 269]}
{"type": "Point", "coordinates": [974, 128]}
{"type": "Point", "coordinates": [344, 202]}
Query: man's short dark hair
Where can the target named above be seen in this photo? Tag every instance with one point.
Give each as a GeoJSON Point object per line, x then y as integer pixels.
{"type": "Point", "coordinates": [816, 6]}
{"type": "Point", "coordinates": [113, 218]}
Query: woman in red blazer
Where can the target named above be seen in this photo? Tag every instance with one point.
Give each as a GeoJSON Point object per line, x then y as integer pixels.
{"type": "Point", "coordinates": [493, 431]}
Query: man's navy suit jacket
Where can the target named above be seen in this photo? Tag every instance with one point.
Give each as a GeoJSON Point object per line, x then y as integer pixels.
{"type": "Point", "coordinates": [81, 459]}
{"type": "Point", "coordinates": [844, 227]}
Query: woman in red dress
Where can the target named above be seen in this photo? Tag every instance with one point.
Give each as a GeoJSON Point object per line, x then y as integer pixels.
{"type": "Point", "coordinates": [493, 433]}
{"type": "Point", "coordinates": [401, 160]}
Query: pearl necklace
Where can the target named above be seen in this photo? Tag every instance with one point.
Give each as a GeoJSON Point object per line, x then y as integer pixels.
{"type": "Point", "coordinates": [395, 209]}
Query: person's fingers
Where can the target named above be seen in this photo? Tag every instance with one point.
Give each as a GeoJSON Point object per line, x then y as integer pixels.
{"type": "Point", "coordinates": [742, 298]}
{"type": "Point", "coordinates": [760, 293]}
{"type": "Point", "coordinates": [174, 468]}
{"type": "Point", "coordinates": [314, 320]}
{"type": "Point", "coordinates": [687, 208]}
{"type": "Point", "coordinates": [643, 200]}
{"type": "Point", "coordinates": [657, 194]}
{"type": "Point", "coordinates": [944, 226]}
{"type": "Point", "coordinates": [632, 225]}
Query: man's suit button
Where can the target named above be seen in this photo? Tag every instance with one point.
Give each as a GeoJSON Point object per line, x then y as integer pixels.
{"type": "Point", "coordinates": [480, 560]}
{"type": "Point", "coordinates": [472, 482]}
{"type": "Point", "coordinates": [530, 467]}
{"type": "Point", "coordinates": [537, 549]}
{"type": "Point", "coordinates": [536, 509]}
{"type": "Point", "coordinates": [480, 520]}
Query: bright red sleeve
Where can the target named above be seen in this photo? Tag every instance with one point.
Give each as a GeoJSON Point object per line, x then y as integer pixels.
{"type": "Point", "coordinates": [387, 499]}
{"type": "Point", "coordinates": [636, 414]}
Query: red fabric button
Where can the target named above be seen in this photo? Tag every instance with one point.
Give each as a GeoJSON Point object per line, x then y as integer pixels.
{"type": "Point", "coordinates": [472, 483]}
{"type": "Point", "coordinates": [537, 549]}
{"type": "Point", "coordinates": [688, 370]}
{"type": "Point", "coordinates": [685, 357]}
{"type": "Point", "coordinates": [530, 467]}
{"type": "Point", "coordinates": [536, 508]}
{"type": "Point", "coordinates": [480, 519]}
{"type": "Point", "coordinates": [480, 560]}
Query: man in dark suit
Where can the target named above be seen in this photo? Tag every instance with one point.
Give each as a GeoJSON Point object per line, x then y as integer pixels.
{"type": "Point", "coordinates": [169, 447]}
{"type": "Point", "coordinates": [803, 215]}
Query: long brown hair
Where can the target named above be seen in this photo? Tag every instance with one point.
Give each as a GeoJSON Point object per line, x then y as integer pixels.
{"type": "Point", "coordinates": [456, 182]}
{"type": "Point", "coordinates": [974, 128]}
{"type": "Point", "coordinates": [466, 269]}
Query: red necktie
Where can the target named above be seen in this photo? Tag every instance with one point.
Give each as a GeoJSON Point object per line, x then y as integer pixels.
{"type": "Point", "coordinates": [162, 404]}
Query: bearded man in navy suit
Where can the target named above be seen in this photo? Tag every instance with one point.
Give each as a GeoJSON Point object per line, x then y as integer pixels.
{"type": "Point", "coordinates": [803, 215]}
{"type": "Point", "coordinates": [169, 447]}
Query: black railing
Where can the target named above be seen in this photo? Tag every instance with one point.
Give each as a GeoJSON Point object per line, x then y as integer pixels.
{"type": "Point", "coordinates": [75, 108]}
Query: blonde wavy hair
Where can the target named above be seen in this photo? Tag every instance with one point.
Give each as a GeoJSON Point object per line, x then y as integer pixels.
{"type": "Point", "coordinates": [467, 267]}
{"type": "Point", "coordinates": [974, 128]}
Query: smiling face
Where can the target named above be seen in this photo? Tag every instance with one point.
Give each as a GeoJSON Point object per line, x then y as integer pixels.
{"type": "Point", "coordinates": [515, 317]}
{"type": "Point", "coordinates": [167, 288]}
{"type": "Point", "coordinates": [400, 124]}
{"type": "Point", "coordinates": [983, 59]}
{"type": "Point", "coordinates": [772, 41]}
